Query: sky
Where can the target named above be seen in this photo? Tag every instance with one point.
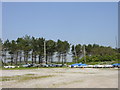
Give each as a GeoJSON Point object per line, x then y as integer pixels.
{"type": "Point", "coordinates": [76, 22]}
{"type": "Point", "coordinates": [0, 19]}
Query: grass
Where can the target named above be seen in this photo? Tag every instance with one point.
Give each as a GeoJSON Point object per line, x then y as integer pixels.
{"type": "Point", "coordinates": [30, 74]}
{"type": "Point", "coordinates": [9, 78]}
{"type": "Point", "coordinates": [65, 83]}
{"type": "Point", "coordinates": [102, 63]}
{"type": "Point", "coordinates": [25, 77]}
{"type": "Point", "coordinates": [22, 68]}
{"type": "Point", "coordinates": [34, 77]}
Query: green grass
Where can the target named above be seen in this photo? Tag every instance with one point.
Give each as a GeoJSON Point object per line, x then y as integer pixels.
{"type": "Point", "coordinates": [25, 77]}
{"type": "Point", "coordinates": [24, 68]}
{"type": "Point", "coordinates": [30, 74]}
{"type": "Point", "coordinates": [102, 63]}
{"type": "Point", "coordinates": [20, 68]}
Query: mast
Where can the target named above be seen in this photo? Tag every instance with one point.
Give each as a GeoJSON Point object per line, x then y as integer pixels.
{"type": "Point", "coordinates": [116, 42]}
{"type": "Point", "coordinates": [45, 51]}
{"type": "Point", "coordinates": [84, 53]}
{"type": "Point", "coordinates": [75, 54]}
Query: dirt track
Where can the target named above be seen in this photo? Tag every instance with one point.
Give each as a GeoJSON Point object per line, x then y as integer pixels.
{"type": "Point", "coordinates": [60, 78]}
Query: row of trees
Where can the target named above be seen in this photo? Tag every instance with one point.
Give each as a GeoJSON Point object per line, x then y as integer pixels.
{"type": "Point", "coordinates": [32, 49]}
{"type": "Point", "coordinates": [93, 52]}
{"type": "Point", "coordinates": [27, 47]}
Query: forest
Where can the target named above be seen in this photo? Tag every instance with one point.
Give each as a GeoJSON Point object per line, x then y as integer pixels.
{"type": "Point", "coordinates": [29, 49]}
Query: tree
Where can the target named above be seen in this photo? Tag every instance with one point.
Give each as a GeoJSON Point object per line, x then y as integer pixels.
{"type": "Point", "coordinates": [1, 45]}
{"type": "Point", "coordinates": [77, 52]}
{"type": "Point", "coordinates": [20, 46]}
{"type": "Point", "coordinates": [13, 51]}
{"type": "Point", "coordinates": [62, 49]}
{"type": "Point", "coordinates": [40, 49]}
{"type": "Point", "coordinates": [89, 49]}
{"type": "Point", "coordinates": [26, 47]}
{"type": "Point", "coordinates": [34, 49]}
{"type": "Point", "coordinates": [5, 50]}
{"type": "Point", "coordinates": [59, 49]}
{"type": "Point", "coordinates": [66, 48]}
{"type": "Point", "coordinates": [50, 48]}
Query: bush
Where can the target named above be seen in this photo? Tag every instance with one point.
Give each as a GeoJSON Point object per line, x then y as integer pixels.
{"type": "Point", "coordinates": [99, 58]}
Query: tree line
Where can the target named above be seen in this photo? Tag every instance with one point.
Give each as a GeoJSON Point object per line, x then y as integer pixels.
{"type": "Point", "coordinates": [28, 49]}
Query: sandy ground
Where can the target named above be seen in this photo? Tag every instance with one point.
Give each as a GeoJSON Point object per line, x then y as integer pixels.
{"type": "Point", "coordinates": [62, 78]}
